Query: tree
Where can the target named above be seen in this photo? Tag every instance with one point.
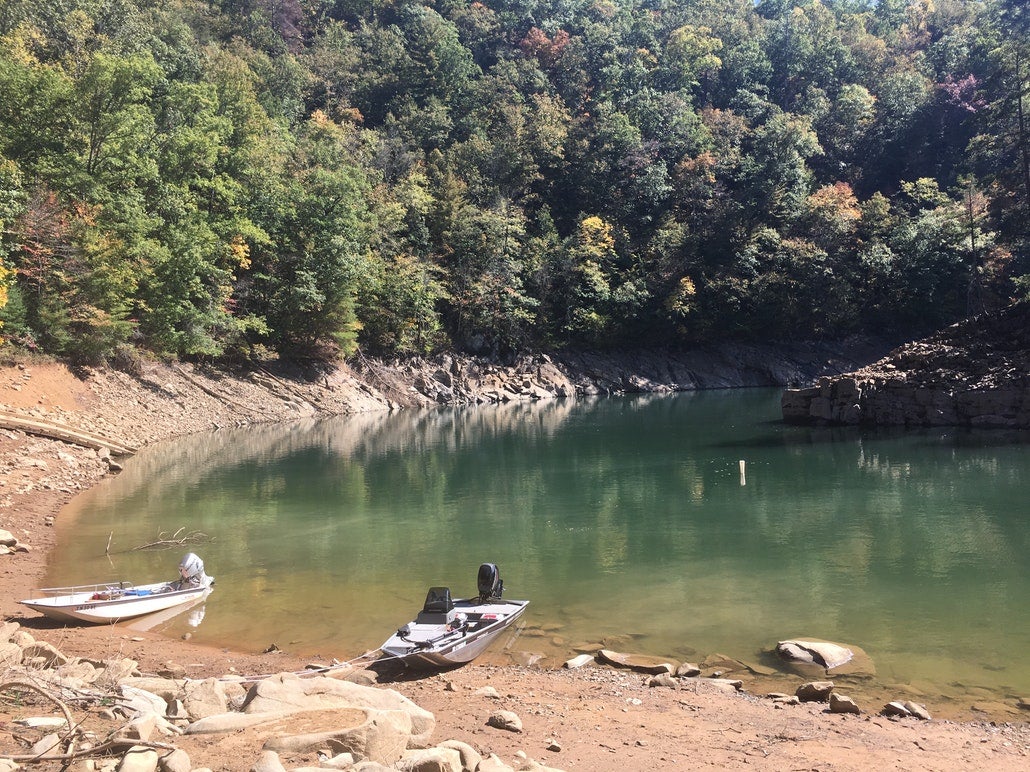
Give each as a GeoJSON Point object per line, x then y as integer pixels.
{"type": "Point", "coordinates": [308, 275]}
{"type": "Point", "coordinates": [110, 119]}
{"type": "Point", "coordinates": [693, 52]}
{"type": "Point", "coordinates": [489, 308]}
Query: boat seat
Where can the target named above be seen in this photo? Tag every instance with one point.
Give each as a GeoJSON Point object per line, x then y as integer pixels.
{"type": "Point", "coordinates": [438, 608]}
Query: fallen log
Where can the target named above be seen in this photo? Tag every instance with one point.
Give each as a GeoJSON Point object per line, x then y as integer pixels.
{"type": "Point", "coordinates": [55, 431]}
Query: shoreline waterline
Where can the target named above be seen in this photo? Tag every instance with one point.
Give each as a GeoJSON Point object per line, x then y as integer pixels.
{"type": "Point", "coordinates": [560, 629]}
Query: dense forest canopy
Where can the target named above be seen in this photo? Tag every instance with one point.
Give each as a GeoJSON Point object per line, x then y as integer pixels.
{"type": "Point", "coordinates": [208, 178]}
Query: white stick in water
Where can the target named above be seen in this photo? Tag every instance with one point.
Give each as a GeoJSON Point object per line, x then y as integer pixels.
{"type": "Point", "coordinates": [743, 479]}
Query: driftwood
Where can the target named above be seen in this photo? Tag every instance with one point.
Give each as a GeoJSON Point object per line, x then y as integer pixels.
{"type": "Point", "coordinates": [165, 541]}
{"type": "Point", "coordinates": [55, 431]}
{"type": "Point", "coordinates": [114, 742]}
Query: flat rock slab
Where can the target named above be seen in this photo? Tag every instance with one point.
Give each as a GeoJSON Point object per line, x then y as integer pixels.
{"type": "Point", "coordinates": [640, 662]}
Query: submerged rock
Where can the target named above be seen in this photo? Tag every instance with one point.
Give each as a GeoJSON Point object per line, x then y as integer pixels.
{"type": "Point", "coordinates": [828, 655]}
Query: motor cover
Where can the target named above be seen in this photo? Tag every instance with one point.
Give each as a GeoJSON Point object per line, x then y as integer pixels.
{"type": "Point", "coordinates": [489, 581]}
{"type": "Point", "coordinates": [191, 568]}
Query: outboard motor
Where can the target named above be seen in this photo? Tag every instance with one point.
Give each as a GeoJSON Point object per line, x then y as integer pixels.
{"type": "Point", "coordinates": [490, 584]}
{"type": "Point", "coordinates": [191, 571]}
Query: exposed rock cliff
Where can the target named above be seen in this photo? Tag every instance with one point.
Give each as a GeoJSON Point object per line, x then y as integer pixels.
{"type": "Point", "coordinates": [974, 373]}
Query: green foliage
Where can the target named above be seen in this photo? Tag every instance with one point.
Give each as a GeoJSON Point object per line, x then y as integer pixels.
{"type": "Point", "coordinates": [310, 270]}
{"type": "Point", "coordinates": [204, 178]}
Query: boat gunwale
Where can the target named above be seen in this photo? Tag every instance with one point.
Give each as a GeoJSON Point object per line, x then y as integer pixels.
{"type": "Point", "coordinates": [78, 589]}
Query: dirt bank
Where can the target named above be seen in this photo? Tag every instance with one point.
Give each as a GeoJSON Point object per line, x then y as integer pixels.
{"type": "Point", "coordinates": [596, 718]}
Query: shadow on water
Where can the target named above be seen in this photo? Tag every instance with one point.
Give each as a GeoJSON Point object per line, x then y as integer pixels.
{"type": "Point", "coordinates": [775, 434]}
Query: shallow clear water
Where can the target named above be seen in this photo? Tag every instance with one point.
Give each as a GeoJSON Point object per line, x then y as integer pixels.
{"type": "Point", "coordinates": [616, 517]}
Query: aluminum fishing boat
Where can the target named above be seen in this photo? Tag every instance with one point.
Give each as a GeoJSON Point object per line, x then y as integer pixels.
{"type": "Point", "coordinates": [449, 632]}
{"type": "Point", "coordinates": [107, 603]}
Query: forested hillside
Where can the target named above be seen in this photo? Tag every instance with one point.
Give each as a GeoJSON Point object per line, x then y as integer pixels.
{"type": "Point", "coordinates": [207, 178]}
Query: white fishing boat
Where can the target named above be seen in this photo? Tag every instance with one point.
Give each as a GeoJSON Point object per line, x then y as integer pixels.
{"type": "Point", "coordinates": [111, 602]}
{"type": "Point", "coordinates": [449, 632]}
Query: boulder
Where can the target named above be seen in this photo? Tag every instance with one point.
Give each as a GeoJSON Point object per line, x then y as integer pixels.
{"type": "Point", "coordinates": [139, 759]}
{"type": "Point", "coordinates": [430, 760]}
{"type": "Point", "coordinates": [204, 698]}
{"type": "Point", "coordinates": [840, 703]}
{"type": "Point", "coordinates": [44, 654]}
{"type": "Point", "coordinates": [664, 679]}
{"type": "Point", "coordinates": [917, 710]}
{"type": "Point", "coordinates": [78, 671]}
{"type": "Point", "coordinates": [505, 719]}
{"type": "Point", "coordinates": [141, 728]}
{"type": "Point", "coordinates": [268, 762]}
{"type": "Point", "coordinates": [470, 757]}
{"type": "Point", "coordinates": [175, 761]}
{"type": "Point", "coordinates": [50, 743]}
{"type": "Point", "coordinates": [42, 722]}
{"type": "Point", "coordinates": [378, 735]}
{"type": "Point", "coordinates": [493, 764]}
{"type": "Point", "coordinates": [724, 685]}
{"type": "Point", "coordinates": [8, 629]}
{"type": "Point", "coordinates": [578, 661]}
{"type": "Point", "coordinates": [339, 761]}
{"type": "Point", "coordinates": [140, 702]}
{"type": "Point", "coordinates": [815, 691]}
{"type": "Point", "coordinates": [895, 709]}
{"type": "Point", "coordinates": [10, 654]}
{"type": "Point", "coordinates": [22, 638]}
{"type": "Point", "coordinates": [828, 655]}
{"type": "Point", "coordinates": [114, 671]}
{"type": "Point", "coordinates": [812, 658]}
{"type": "Point", "coordinates": [236, 722]}
{"type": "Point", "coordinates": [165, 688]}
{"type": "Point", "coordinates": [285, 691]}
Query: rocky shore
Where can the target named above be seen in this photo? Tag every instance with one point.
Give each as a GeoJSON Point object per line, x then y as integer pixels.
{"type": "Point", "coordinates": [112, 699]}
{"type": "Point", "coordinates": [973, 374]}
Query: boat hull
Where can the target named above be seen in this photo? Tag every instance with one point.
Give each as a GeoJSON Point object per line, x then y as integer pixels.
{"type": "Point", "coordinates": [105, 605]}
{"type": "Point", "coordinates": [434, 646]}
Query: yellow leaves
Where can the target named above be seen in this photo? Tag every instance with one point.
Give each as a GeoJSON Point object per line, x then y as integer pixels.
{"type": "Point", "coordinates": [596, 235]}
{"type": "Point", "coordinates": [835, 202]}
{"type": "Point", "coordinates": [693, 50]}
{"type": "Point", "coordinates": [925, 193]}
{"type": "Point", "coordinates": [681, 300]}
{"type": "Point", "coordinates": [5, 279]}
{"type": "Point", "coordinates": [239, 252]}
{"type": "Point", "coordinates": [20, 43]}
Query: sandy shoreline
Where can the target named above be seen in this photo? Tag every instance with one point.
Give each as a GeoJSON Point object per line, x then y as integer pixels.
{"type": "Point", "coordinates": [597, 718]}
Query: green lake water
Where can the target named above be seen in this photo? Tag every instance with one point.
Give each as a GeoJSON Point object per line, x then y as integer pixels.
{"type": "Point", "coordinates": [623, 519]}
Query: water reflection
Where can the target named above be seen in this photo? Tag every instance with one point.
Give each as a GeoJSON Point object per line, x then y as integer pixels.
{"type": "Point", "coordinates": [615, 516]}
